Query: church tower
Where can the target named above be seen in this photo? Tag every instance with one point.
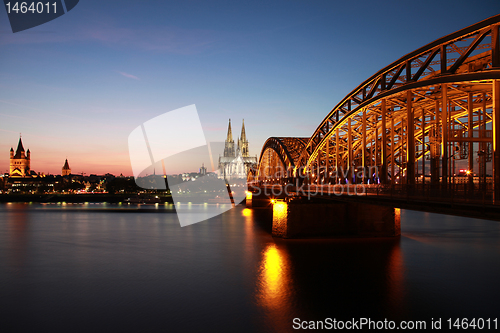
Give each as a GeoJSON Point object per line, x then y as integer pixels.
{"type": "Point", "coordinates": [236, 164]}
{"type": "Point", "coordinates": [229, 145]}
{"type": "Point", "coordinates": [66, 170]}
{"type": "Point", "coordinates": [20, 161]}
{"type": "Point", "coordinates": [243, 142]}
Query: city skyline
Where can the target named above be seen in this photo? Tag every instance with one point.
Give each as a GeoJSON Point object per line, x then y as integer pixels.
{"type": "Point", "coordinates": [99, 72]}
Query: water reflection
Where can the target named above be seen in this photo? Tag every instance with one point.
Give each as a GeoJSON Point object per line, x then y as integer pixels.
{"type": "Point", "coordinates": [247, 212]}
{"type": "Point", "coordinates": [141, 271]}
{"type": "Point", "coordinates": [274, 276]}
{"type": "Point", "coordinates": [396, 283]}
{"type": "Point", "coordinates": [17, 236]}
{"type": "Point", "coordinates": [316, 279]}
{"type": "Point", "coordinates": [274, 286]}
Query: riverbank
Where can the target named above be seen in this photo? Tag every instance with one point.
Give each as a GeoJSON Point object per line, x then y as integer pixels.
{"type": "Point", "coordinates": [74, 198]}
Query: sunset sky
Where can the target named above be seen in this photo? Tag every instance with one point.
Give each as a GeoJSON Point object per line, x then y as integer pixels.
{"type": "Point", "coordinates": [77, 86]}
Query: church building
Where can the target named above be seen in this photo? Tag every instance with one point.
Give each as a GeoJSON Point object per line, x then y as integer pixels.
{"type": "Point", "coordinates": [20, 161]}
{"type": "Point", "coordinates": [66, 170]}
{"type": "Point", "coordinates": [236, 161]}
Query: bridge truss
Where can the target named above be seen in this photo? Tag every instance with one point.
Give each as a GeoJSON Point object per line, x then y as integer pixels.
{"type": "Point", "coordinates": [410, 121]}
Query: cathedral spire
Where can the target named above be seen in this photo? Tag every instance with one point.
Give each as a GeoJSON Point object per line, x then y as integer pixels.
{"type": "Point", "coordinates": [243, 134]}
{"type": "Point", "coordinates": [229, 145]}
{"type": "Point", "coordinates": [229, 133]}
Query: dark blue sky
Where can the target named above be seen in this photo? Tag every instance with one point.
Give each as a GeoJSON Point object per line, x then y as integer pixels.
{"type": "Point", "coordinates": [77, 86]}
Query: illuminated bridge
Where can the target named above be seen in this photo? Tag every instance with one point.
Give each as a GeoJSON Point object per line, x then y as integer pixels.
{"type": "Point", "coordinates": [425, 125]}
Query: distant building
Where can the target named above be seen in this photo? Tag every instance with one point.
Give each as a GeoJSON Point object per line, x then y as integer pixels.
{"type": "Point", "coordinates": [20, 161]}
{"type": "Point", "coordinates": [236, 163]}
{"type": "Point", "coordinates": [66, 170]}
{"type": "Point", "coordinates": [203, 170]}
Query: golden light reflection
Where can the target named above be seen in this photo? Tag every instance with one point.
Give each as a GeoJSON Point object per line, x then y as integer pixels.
{"type": "Point", "coordinates": [247, 212]}
{"type": "Point", "coordinates": [395, 270]}
{"type": "Point", "coordinates": [274, 285]}
{"type": "Point", "coordinates": [274, 281]}
{"type": "Point", "coordinates": [397, 221]}
{"type": "Point", "coordinates": [272, 270]}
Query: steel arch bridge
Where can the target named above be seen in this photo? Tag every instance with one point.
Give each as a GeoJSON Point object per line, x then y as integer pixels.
{"type": "Point", "coordinates": [409, 122]}
{"type": "Point", "coordinates": [279, 157]}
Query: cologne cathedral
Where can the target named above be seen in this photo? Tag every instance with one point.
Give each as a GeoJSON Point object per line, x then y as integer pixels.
{"type": "Point", "coordinates": [236, 162]}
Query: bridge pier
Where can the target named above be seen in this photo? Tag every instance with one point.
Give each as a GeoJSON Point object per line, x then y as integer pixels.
{"type": "Point", "coordinates": [301, 219]}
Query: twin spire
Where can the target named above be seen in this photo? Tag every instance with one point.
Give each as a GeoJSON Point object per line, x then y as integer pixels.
{"type": "Point", "coordinates": [243, 136]}
{"type": "Point", "coordinates": [242, 148]}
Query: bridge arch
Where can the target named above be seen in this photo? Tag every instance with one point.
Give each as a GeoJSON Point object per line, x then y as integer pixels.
{"type": "Point", "coordinates": [417, 116]}
{"type": "Point", "coordinates": [278, 158]}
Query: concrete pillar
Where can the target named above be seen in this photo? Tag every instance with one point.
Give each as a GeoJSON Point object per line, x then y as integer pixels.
{"type": "Point", "coordinates": [305, 218]}
{"type": "Point", "coordinates": [248, 200]}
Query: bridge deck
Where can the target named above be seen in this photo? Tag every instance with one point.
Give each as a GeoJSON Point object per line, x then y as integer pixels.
{"type": "Point", "coordinates": [458, 201]}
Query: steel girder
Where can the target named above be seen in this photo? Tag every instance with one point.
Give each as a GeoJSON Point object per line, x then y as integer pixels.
{"type": "Point", "coordinates": [466, 56]}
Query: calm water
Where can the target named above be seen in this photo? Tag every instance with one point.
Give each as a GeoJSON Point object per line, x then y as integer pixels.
{"type": "Point", "coordinates": [67, 269]}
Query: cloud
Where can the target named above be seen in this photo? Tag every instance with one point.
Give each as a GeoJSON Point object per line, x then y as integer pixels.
{"type": "Point", "coordinates": [128, 75]}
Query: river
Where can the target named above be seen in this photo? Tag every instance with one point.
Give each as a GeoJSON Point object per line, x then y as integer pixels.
{"type": "Point", "coordinates": [100, 267]}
